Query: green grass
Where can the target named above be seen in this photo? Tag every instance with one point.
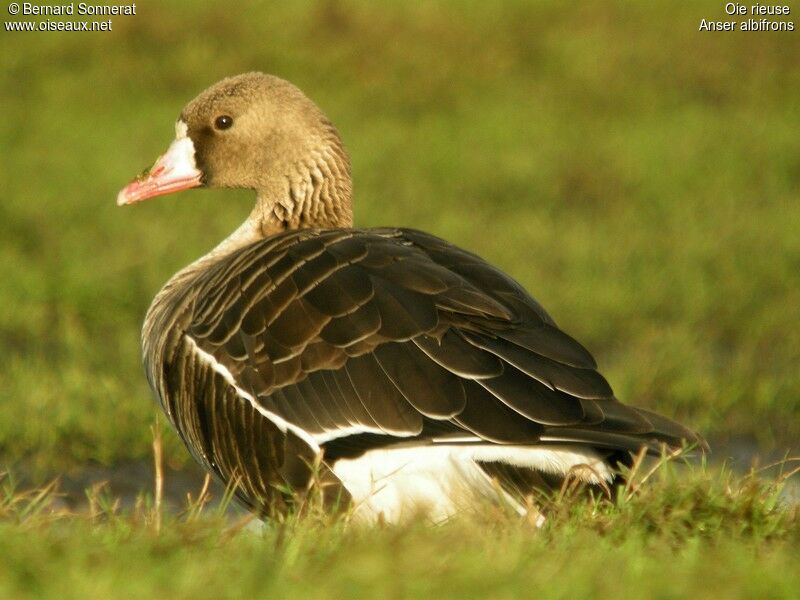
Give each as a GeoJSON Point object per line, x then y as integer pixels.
{"type": "Point", "coordinates": [678, 533]}
{"type": "Point", "coordinates": [638, 176]}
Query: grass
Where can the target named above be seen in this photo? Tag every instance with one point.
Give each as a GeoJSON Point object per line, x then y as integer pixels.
{"type": "Point", "coordinates": [638, 176]}
{"type": "Point", "coordinates": [677, 532]}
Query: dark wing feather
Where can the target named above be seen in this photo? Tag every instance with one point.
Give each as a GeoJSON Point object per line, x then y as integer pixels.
{"type": "Point", "coordinates": [359, 415]}
{"type": "Point", "coordinates": [489, 418]}
{"type": "Point", "coordinates": [380, 397]}
{"type": "Point", "coordinates": [404, 313]}
{"type": "Point", "coordinates": [548, 341]}
{"type": "Point", "coordinates": [297, 324]}
{"type": "Point", "coordinates": [576, 381]}
{"type": "Point", "coordinates": [432, 390]}
{"type": "Point", "coordinates": [394, 334]}
{"type": "Point", "coordinates": [341, 292]}
{"type": "Point", "coordinates": [363, 322]}
{"type": "Point", "coordinates": [453, 353]}
{"type": "Point", "coordinates": [532, 399]}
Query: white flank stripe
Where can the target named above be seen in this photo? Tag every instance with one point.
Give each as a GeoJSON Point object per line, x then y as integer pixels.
{"type": "Point", "coordinates": [340, 432]}
{"type": "Point", "coordinates": [279, 421]}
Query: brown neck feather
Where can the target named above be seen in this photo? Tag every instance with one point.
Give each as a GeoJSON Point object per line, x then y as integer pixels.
{"type": "Point", "coordinates": [316, 192]}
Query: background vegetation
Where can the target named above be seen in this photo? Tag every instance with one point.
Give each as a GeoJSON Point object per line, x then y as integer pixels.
{"type": "Point", "coordinates": [638, 176]}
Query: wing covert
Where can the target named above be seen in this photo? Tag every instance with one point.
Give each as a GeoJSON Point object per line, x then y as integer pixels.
{"type": "Point", "coordinates": [385, 331]}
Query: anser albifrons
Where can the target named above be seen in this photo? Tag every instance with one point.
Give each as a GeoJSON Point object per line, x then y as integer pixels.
{"type": "Point", "coordinates": [404, 368]}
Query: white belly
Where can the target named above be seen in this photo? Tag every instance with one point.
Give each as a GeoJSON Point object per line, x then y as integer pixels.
{"type": "Point", "coordinates": [438, 481]}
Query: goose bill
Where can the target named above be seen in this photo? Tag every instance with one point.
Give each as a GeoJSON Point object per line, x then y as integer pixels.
{"type": "Point", "coordinates": [174, 171]}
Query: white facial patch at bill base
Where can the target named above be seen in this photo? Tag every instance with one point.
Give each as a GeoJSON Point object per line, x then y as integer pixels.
{"type": "Point", "coordinates": [179, 160]}
{"type": "Point", "coordinates": [181, 129]}
{"type": "Point", "coordinates": [174, 171]}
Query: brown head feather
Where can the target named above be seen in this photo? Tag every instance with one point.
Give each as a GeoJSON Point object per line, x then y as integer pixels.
{"type": "Point", "coordinates": [280, 144]}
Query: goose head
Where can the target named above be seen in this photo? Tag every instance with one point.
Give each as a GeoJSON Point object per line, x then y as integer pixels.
{"type": "Point", "coordinates": [258, 132]}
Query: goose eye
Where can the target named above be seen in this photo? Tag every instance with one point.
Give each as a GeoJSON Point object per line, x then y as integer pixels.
{"type": "Point", "coordinates": [223, 122]}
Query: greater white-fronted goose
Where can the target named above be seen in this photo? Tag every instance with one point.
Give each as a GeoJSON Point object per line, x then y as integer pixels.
{"type": "Point", "coordinates": [400, 369]}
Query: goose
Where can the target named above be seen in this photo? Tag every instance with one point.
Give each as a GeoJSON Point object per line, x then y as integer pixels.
{"type": "Point", "coordinates": [394, 371]}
